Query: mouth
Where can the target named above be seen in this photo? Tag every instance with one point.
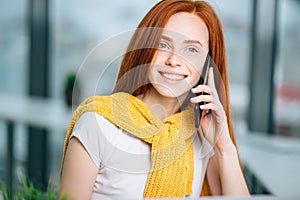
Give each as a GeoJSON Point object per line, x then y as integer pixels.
{"type": "Point", "coordinates": [173, 76]}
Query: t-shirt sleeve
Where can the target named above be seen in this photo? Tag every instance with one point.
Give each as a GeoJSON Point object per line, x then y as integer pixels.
{"type": "Point", "coordinates": [88, 132]}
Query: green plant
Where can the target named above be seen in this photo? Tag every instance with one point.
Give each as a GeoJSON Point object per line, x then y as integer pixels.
{"type": "Point", "coordinates": [71, 90]}
{"type": "Point", "coordinates": [4, 191]}
{"type": "Point", "coordinates": [27, 190]}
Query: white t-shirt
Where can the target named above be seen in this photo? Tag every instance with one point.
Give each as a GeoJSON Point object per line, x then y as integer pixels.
{"type": "Point", "coordinates": [124, 160]}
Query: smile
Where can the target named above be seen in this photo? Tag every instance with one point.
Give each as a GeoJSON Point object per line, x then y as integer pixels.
{"type": "Point", "coordinates": [173, 77]}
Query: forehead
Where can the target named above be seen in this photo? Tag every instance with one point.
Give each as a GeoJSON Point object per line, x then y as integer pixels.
{"type": "Point", "coordinates": [187, 25]}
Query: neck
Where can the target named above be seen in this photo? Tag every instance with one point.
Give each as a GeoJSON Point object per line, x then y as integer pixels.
{"type": "Point", "coordinates": [162, 106]}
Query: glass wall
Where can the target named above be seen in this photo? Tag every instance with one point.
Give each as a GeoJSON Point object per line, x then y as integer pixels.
{"type": "Point", "coordinates": [287, 81]}
{"type": "Point", "coordinates": [14, 52]}
{"type": "Point", "coordinates": [237, 31]}
{"type": "Point", "coordinates": [13, 47]}
{"type": "Point", "coordinates": [78, 27]}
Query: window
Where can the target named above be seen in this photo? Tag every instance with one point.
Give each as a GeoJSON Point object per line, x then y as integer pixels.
{"type": "Point", "coordinates": [14, 51]}
{"type": "Point", "coordinates": [237, 32]}
{"type": "Point", "coordinates": [287, 81]}
{"type": "Point", "coordinates": [13, 47]}
{"type": "Point", "coordinates": [78, 27]}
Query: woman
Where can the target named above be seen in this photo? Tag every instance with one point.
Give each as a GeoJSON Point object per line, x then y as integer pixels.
{"type": "Point", "coordinates": [141, 141]}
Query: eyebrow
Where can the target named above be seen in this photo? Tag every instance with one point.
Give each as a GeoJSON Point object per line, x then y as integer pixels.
{"type": "Point", "coordinates": [185, 41]}
{"type": "Point", "coordinates": [193, 41]}
{"type": "Point", "coordinates": [166, 38]}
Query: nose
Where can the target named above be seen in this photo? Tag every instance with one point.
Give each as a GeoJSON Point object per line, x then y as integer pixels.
{"type": "Point", "coordinates": [173, 60]}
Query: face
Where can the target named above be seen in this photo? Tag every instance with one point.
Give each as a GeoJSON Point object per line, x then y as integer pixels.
{"type": "Point", "coordinates": [178, 62]}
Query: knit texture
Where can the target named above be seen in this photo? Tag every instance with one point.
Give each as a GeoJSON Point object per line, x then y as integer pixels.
{"type": "Point", "coordinates": [172, 166]}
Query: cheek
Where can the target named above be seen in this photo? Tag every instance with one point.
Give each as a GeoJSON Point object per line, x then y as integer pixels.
{"type": "Point", "coordinates": [156, 57]}
{"type": "Point", "coordinates": [195, 67]}
{"type": "Point", "coordinates": [159, 57]}
{"type": "Point", "coordinates": [195, 79]}
{"type": "Point", "coordinates": [150, 73]}
{"type": "Point", "coordinates": [195, 76]}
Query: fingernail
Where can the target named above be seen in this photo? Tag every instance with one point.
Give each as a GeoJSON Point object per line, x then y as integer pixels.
{"type": "Point", "coordinates": [194, 90]}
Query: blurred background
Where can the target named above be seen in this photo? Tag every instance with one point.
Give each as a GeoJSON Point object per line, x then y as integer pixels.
{"type": "Point", "coordinates": [43, 44]}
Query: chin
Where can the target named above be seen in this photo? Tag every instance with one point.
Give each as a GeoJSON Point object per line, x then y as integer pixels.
{"type": "Point", "coordinates": [177, 93]}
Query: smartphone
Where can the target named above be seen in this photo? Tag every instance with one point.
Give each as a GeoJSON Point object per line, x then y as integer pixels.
{"type": "Point", "coordinates": [202, 80]}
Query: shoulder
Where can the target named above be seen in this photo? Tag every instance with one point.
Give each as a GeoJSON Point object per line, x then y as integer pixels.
{"type": "Point", "coordinates": [96, 129]}
{"type": "Point", "coordinates": [92, 121]}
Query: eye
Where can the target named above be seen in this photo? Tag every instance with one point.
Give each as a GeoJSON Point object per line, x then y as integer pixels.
{"type": "Point", "coordinates": [164, 45]}
{"type": "Point", "coordinates": [192, 50]}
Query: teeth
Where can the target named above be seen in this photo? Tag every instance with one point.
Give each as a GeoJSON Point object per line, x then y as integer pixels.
{"type": "Point", "coordinates": [173, 76]}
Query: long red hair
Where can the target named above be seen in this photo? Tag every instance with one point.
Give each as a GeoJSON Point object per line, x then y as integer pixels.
{"type": "Point", "coordinates": [132, 76]}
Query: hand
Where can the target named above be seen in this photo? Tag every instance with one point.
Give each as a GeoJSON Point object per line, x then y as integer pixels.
{"type": "Point", "coordinates": [213, 121]}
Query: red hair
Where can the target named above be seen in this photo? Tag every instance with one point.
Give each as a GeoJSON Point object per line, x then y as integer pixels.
{"type": "Point", "coordinates": [132, 76]}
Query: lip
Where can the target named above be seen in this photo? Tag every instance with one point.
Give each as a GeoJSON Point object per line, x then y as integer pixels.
{"type": "Point", "coordinates": [172, 76]}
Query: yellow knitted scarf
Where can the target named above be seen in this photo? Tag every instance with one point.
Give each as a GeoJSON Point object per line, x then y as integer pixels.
{"type": "Point", "coordinates": [172, 167]}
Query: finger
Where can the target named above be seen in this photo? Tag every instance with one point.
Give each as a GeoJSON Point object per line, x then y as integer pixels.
{"type": "Point", "coordinates": [208, 106]}
{"type": "Point", "coordinates": [211, 80]}
{"type": "Point", "coordinates": [206, 109]}
{"type": "Point", "coordinates": [213, 107]}
{"type": "Point", "coordinates": [201, 88]}
{"type": "Point", "coordinates": [202, 98]}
